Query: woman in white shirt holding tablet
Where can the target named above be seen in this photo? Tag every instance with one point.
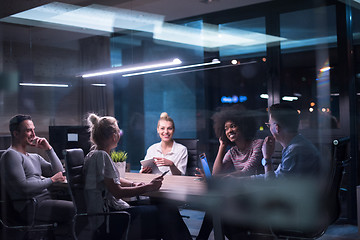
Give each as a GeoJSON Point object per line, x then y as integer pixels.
{"type": "Point", "coordinates": [167, 154]}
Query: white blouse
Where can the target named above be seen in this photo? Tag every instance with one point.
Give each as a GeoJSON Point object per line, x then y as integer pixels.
{"type": "Point", "coordinates": [178, 155]}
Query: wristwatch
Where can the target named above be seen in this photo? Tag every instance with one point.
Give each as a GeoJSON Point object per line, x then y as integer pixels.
{"type": "Point", "coordinates": [265, 162]}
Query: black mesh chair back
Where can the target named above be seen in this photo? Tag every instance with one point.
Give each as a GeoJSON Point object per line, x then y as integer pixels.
{"type": "Point", "coordinates": [193, 157]}
{"type": "Point", "coordinates": [74, 162]}
{"type": "Point", "coordinates": [340, 159]}
{"type": "Point", "coordinates": [330, 200]}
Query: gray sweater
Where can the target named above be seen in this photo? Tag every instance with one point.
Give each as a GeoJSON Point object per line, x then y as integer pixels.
{"type": "Point", "coordinates": [27, 175]}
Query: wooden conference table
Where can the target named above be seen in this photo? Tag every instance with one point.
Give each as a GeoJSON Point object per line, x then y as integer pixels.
{"type": "Point", "coordinates": [248, 201]}
{"type": "Point", "coordinates": [183, 189]}
{"type": "Point", "coordinates": [245, 201]}
{"type": "Point", "coordinates": [187, 190]}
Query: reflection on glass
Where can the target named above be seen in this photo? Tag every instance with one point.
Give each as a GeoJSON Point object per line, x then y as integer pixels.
{"type": "Point", "coordinates": [256, 26]}
{"type": "Point", "coordinates": [308, 66]}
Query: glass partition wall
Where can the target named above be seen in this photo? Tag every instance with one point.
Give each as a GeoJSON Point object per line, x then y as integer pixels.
{"type": "Point", "coordinates": [255, 55]}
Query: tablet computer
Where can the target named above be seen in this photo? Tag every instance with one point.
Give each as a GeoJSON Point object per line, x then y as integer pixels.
{"type": "Point", "coordinates": [150, 163]}
{"type": "Point", "coordinates": [205, 165]}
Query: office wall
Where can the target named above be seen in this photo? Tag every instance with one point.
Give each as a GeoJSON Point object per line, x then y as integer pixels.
{"type": "Point", "coordinates": [171, 93]}
{"type": "Point", "coordinates": [140, 100]}
{"type": "Point", "coordinates": [44, 64]}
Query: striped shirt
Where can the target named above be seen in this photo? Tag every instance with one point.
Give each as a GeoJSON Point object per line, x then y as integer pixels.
{"type": "Point", "coordinates": [247, 162]}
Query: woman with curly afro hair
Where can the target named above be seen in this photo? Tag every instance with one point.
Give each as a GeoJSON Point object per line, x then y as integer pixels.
{"type": "Point", "coordinates": [235, 127]}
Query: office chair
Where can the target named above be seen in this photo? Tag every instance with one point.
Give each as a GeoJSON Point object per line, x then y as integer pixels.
{"type": "Point", "coordinates": [193, 157]}
{"type": "Point", "coordinates": [74, 161]}
{"type": "Point", "coordinates": [13, 226]}
{"type": "Point", "coordinates": [287, 209]}
{"type": "Point", "coordinates": [193, 160]}
{"type": "Point", "coordinates": [331, 197]}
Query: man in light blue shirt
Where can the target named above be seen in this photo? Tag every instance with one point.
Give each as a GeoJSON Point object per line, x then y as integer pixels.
{"type": "Point", "coordinates": [300, 158]}
{"type": "Point", "coordinates": [300, 161]}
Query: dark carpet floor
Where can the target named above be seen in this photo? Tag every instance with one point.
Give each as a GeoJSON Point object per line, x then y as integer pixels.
{"type": "Point", "coordinates": [334, 232]}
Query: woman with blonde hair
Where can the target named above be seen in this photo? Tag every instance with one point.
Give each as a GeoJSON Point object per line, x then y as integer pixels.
{"type": "Point", "coordinates": [104, 189]}
{"type": "Point", "coordinates": [167, 154]}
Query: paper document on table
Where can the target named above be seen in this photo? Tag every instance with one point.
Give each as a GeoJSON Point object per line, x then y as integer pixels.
{"type": "Point", "coordinates": [150, 163]}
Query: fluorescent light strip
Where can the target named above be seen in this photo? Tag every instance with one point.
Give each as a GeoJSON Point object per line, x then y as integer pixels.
{"type": "Point", "coordinates": [209, 68]}
{"type": "Point", "coordinates": [176, 61]}
{"type": "Point", "coordinates": [215, 61]}
{"type": "Point", "coordinates": [43, 85]}
{"type": "Point", "coordinates": [197, 70]}
{"type": "Point", "coordinates": [99, 84]}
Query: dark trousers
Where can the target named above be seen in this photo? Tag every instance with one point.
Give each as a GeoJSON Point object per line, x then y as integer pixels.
{"type": "Point", "coordinates": [172, 224]}
{"type": "Point", "coordinates": [206, 227]}
{"type": "Point", "coordinates": [50, 210]}
{"type": "Point", "coordinates": [160, 221]}
{"type": "Point", "coordinates": [230, 230]}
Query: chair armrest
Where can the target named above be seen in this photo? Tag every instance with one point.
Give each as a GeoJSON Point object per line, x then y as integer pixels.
{"type": "Point", "coordinates": [31, 203]}
{"type": "Point", "coordinates": [15, 221]}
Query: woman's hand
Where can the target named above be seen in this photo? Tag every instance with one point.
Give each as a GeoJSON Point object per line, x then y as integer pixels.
{"type": "Point", "coordinates": [200, 173]}
{"type": "Point", "coordinates": [222, 144]}
{"type": "Point", "coordinates": [155, 184]}
{"type": "Point", "coordinates": [163, 162]}
{"type": "Point", "coordinates": [146, 170]}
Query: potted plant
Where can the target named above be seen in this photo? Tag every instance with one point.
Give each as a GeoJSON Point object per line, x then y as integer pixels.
{"type": "Point", "coordinates": [119, 158]}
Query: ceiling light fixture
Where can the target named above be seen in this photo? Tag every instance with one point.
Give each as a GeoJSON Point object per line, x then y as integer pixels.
{"type": "Point", "coordinates": [176, 61]}
{"type": "Point", "coordinates": [214, 61]}
{"type": "Point", "coordinates": [264, 96]}
{"type": "Point", "coordinates": [43, 85]}
{"type": "Point", "coordinates": [289, 98]}
{"type": "Point", "coordinates": [325, 69]}
{"type": "Point", "coordinates": [208, 68]}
